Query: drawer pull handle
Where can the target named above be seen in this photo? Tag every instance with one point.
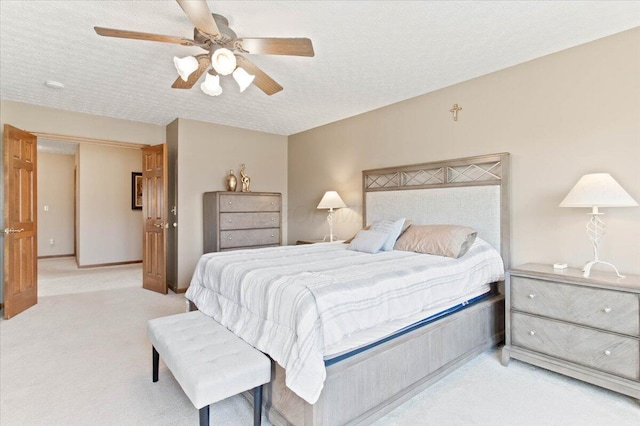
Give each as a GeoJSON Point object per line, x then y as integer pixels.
{"type": "Point", "coordinates": [229, 237]}
{"type": "Point", "coordinates": [229, 220]}
{"type": "Point", "coordinates": [272, 235]}
{"type": "Point", "coordinates": [272, 219]}
{"type": "Point", "coordinates": [532, 333]}
{"type": "Point", "coordinates": [229, 202]}
{"type": "Point", "coordinates": [531, 296]}
{"type": "Point", "coordinates": [607, 352]}
{"type": "Point", "coordinates": [607, 310]}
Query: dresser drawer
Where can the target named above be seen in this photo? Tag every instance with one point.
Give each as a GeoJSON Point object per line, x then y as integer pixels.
{"type": "Point", "coordinates": [604, 351]}
{"type": "Point", "coordinates": [604, 309]}
{"type": "Point", "coordinates": [250, 203]}
{"type": "Point", "coordinates": [249, 220]}
{"type": "Point", "coordinates": [249, 237]}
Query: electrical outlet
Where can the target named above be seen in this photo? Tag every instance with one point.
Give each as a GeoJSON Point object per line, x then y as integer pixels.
{"type": "Point", "coordinates": [46, 208]}
{"type": "Point", "coordinates": [51, 241]}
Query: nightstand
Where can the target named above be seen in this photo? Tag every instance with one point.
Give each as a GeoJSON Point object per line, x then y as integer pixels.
{"type": "Point", "coordinates": [299, 242]}
{"type": "Point", "coordinates": [586, 328]}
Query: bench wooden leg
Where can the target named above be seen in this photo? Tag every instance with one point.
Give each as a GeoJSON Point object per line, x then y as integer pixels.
{"type": "Point", "coordinates": [257, 406]}
{"type": "Point", "coordinates": [156, 361]}
{"type": "Point", "coordinates": [204, 416]}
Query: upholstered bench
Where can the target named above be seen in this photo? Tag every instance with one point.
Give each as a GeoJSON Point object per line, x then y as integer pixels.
{"type": "Point", "coordinates": [209, 362]}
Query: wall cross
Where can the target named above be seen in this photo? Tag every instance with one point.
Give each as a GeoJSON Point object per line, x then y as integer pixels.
{"type": "Point", "coordinates": [455, 110]}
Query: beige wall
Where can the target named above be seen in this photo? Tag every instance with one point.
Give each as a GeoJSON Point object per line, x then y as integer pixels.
{"type": "Point", "coordinates": [109, 230]}
{"type": "Point", "coordinates": [50, 120]}
{"type": "Point", "coordinates": [55, 190]}
{"type": "Point", "coordinates": [206, 153]}
{"type": "Point", "coordinates": [560, 116]}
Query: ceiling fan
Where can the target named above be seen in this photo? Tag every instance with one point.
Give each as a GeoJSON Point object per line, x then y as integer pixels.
{"type": "Point", "coordinates": [224, 51]}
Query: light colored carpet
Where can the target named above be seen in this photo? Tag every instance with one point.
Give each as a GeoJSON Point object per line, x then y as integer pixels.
{"type": "Point", "coordinates": [84, 359]}
{"type": "Point", "coordinates": [58, 276]}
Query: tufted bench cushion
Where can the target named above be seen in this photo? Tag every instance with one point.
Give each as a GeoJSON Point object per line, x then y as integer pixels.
{"type": "Point", "coordinates": [209, 362]}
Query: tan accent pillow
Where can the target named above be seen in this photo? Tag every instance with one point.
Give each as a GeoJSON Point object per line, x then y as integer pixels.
{"type": "Point", "coordinates": [441, 240]}
{"type": "Point", "coordinates": [407, 223]}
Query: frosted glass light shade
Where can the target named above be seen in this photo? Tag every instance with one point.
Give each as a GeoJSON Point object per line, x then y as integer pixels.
{"type": "Point", "coordinates": [243, 78]}
{"type": "Point", "coordinates": [211, 85]}
{"type": "Point", "coordinates": [331, 200]}
{"type": "Point", "coordinates": [185, 66]}
{"type": "Point", "coordinates": [598, 190]}
{"type": "Point", "coordinates": [223, 61]}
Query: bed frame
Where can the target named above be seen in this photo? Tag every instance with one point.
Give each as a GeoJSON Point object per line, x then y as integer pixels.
{"type": "Point", "coordinates": [366, 386]}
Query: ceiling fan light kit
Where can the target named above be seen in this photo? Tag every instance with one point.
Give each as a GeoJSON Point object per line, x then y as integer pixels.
{"type": "Point", "coordinates": [223, 61]}
{"type": "Point", "coordinates": [185, 66]}
{"type": "Point", "coordinates": [225, 51]}
{"type": "Point", "coordinates": [211, 85]}
{"type": "Point", "coordinates": [243, 78]}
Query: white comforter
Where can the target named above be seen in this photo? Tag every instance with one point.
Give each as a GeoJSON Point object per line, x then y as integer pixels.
{"type": "Point", "coordinates": [292, 302]}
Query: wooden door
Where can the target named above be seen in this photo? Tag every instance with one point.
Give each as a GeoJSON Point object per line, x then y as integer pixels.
{"type": "Point", "coordinates": [154, 212]}
{"type": "Point", "coordinates": [20, 214]}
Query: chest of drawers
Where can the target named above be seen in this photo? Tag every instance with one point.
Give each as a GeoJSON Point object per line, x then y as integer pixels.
{"type": "Point", "coordinates": [239, 220]}
{"type": "Point", "coordinates": [586, 328]}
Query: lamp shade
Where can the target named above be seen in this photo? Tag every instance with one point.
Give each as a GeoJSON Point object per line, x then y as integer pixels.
{"type": "Point", "coordinates": [598, 190]}
{"type": "Point", "coordinates": [331, 200]}
{"type": "Point", "coordinates": [243, 78]}
{"type": "Point", "coordinates": [185, 66]}
{"type": "Point", "coordinates": [211, 85]}
{"type": "Point", "coordinates": [223, 61]}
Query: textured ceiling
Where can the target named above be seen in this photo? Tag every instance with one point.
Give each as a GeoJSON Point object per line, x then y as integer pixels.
{"type": "Point", "coordinates": [368, 54]}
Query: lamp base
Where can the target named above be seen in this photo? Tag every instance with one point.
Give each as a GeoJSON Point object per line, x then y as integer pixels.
{"type": "Point", "coordinates": [587, 268]}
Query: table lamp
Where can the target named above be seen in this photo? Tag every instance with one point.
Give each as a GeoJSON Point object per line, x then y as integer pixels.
{"type": "Point", "coordinates": [597, 190]}
{"type": "Point", "coordinates": [331, 200]}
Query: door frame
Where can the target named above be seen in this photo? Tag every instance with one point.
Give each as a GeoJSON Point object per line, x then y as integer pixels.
{"type": "Point", "coordinates": [62, 137]}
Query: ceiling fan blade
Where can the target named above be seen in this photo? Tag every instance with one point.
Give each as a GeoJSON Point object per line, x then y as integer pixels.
{"type": "Point", "coordinates": [276, 46]}
{"type": "Point", "coordinates": [262, 80]}
{"type": "Point", "coordinates": [203, 63]}
{"type": "Point", "coordinates": [199, 14]}
{"type": "Point", "coordinates": [110, 32]}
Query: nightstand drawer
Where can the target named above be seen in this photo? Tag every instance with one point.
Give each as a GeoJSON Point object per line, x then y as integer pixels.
{"type": "Point", "coordinates": [604, 309]}
{"type": "Point", "coordinates": [249, 220]}
{"type": "Point", "coordinates": [249, 237]}
{"type": "Point", "coordinates": [603, 351]}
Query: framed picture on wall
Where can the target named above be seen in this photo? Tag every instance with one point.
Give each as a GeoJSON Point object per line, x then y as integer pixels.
{"type": "Point", "coordinates": [136, 191]}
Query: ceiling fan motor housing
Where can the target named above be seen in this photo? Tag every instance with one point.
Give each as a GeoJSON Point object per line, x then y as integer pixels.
{"type": "Point", "coordinates": [227, 35]}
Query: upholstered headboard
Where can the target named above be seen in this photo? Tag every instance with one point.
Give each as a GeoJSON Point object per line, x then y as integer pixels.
{"type": "Point", "coordinates": [470, 191]}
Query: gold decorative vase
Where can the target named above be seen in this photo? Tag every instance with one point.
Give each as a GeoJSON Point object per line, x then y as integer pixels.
{"type": "Point", "coordinates": [245, 179]}
{"type": "Point", "coordinates": [232, 181]}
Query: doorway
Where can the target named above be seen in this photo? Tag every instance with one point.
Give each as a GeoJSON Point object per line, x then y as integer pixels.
{"type": "Point", "coordinates": [56, 200]}
{"type": "Point", "coordinates": [97, 242]}
{"type": "Point", "coordinates": [107, 227]}
{"type": "Point", "coordinates": [86, 223]}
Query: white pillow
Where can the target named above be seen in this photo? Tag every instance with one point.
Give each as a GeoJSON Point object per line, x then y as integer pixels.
{"type": "Point", "coordinates": [391, 228]}
{"type": "Point", "coordinates": [368, 241]}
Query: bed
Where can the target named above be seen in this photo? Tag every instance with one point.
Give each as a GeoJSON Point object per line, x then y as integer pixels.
{"type": "Point", "coordinates": [355, 368]}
